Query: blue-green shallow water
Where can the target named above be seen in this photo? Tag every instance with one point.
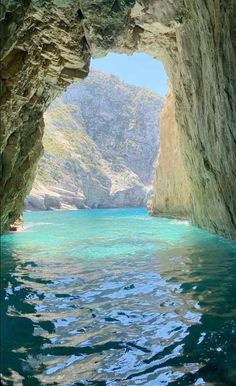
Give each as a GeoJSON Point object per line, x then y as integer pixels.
{"type": "Point", "coordinates": [115, 297]}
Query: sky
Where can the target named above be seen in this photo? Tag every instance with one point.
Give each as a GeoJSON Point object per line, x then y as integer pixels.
{"type": "Point", "coordinates": [138, 69]}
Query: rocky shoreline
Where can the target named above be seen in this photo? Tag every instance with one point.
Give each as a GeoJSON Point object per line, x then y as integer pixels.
{"type": "Point", "coordinates": [100, 145]}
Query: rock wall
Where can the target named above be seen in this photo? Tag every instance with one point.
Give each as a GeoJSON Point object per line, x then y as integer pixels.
{"type": "Point", "coordinates": [171, 191]}
{"type": "Point", "coordinates": [100, 144]}
{"type": "Point", "coordinates": [48, 44]}
{"type": "Point", "coordinates": [42, 51]}
{"type": "Point", "coordinates": [206, 112]}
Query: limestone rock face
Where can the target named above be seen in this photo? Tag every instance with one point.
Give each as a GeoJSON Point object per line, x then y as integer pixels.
{"type": "Point", "coordinates": [42, 51]}
{"type": "Point", "coordinates": [100, 144]}
{"type": "Point", "coordinates": [46, 45]}
{"type": "Point", "coordinates": [171, 191]}
{"type": "Point", "coordinates": [206, 113]}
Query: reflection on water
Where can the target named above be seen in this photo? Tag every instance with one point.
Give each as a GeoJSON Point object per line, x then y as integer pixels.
{"type": "Point", "coordinates": [114, 297]}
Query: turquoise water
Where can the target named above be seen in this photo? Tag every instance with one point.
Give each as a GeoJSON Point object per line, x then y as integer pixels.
{"type": "Point", "coordinates": [115, 297]}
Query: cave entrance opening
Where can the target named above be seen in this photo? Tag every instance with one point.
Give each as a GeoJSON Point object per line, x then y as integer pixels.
{"type": "Point", "coordinates": [102, 137]}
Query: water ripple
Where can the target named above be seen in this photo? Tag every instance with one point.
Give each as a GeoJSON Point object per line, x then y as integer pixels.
{"type": "Point", "coordinates": [140, 301]}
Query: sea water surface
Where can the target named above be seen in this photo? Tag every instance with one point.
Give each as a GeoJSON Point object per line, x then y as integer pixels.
{"type": "Point", "coordinates": [115, 297]}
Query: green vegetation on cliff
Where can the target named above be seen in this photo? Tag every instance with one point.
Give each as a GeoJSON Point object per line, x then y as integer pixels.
{"type": "Point", "coordinates": [101, 141]}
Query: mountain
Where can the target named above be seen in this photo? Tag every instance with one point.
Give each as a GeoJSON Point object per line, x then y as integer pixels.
{"type": "Point", "coordinates": [101, 141]}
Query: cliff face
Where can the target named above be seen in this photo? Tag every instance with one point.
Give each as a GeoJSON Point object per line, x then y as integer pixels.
{"type": "Point", "coordinates": [41, 52]}
{"type": "Point", "coordinates": [46, 45]}
{"type": "Point", "coordinates": [101, 140]}
{"type": "Point", "coordinates": [171, 191]}
{"type": "Point", "coordinates": [205, 97]}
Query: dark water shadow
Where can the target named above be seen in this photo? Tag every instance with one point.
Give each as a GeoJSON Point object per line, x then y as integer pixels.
{"type": "Point", "coordinates": [207, 276]}
{"type": "Point", "coordinates": [211, 281]}
{"type": "Point", "coordinates": [18, 341]}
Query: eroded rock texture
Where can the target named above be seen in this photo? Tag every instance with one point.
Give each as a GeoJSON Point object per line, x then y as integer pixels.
{"type": "Point", "coordinates": [171, 192]}
{"type": "Point", "coordinates": [47, 44]}
{"type": "Point", "coordinates": [42, 51]}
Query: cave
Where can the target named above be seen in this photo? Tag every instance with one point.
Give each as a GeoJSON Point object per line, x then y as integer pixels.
{"type": "Point", "coordinates": [48, 45]}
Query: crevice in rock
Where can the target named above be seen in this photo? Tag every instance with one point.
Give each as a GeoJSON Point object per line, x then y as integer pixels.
{"type": "Point", "coordinates": [208, 166]}
{"type": "Point", "coordinates": [115, 6]}
{"type": "Point", "coordinates": [230, 214]}
{"type": "Point", "coordinates": [79, 15]}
